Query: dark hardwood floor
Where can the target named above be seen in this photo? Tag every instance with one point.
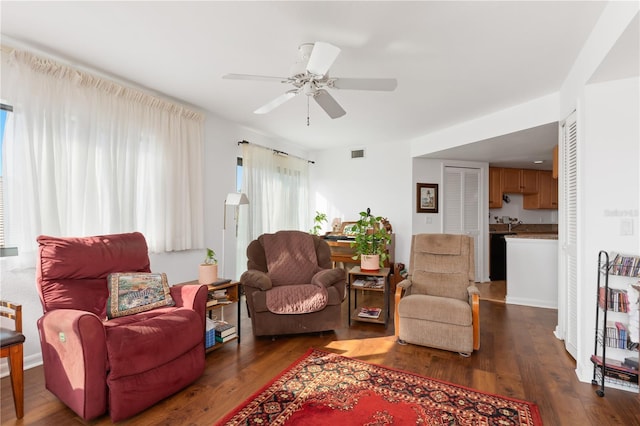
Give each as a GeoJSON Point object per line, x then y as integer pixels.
{"type": "Point", "coordinates": [519, 357]}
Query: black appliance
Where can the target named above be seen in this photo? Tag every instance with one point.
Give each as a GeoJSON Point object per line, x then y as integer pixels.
{"type": "Point", "coordinates": [498, 256]}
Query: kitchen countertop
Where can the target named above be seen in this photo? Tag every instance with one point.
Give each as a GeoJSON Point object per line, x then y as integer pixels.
{"type": "Point", "coordinates": [535, 236]}
{"type": "Point", "coordinates": [523, 228]}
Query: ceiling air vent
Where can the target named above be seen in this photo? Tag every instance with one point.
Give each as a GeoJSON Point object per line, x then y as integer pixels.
{"type": "Point", "coordinates": [357, 153]}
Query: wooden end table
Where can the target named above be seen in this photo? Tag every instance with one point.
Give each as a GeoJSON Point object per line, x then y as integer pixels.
{"type": "Point", "coordinates": [364, 281]}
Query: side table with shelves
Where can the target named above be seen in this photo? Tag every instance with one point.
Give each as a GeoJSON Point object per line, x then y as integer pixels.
{"type": "Point", "coordinates": [232, 290]}
{"type": "Point", "coordinates": [367, 283]}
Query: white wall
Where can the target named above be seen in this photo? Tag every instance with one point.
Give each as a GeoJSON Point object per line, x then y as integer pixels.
{"type": "Point", "coordinates": [514, 209]}
{"type": "Point", "coordinates": [610, 182]}
{"type": "Point", "coordinates": [426, 170]}
{"type": "Point", "coordinates": [342, 187]}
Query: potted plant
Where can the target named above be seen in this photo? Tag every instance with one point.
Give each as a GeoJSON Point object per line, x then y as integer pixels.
{"type": "Point", "coordinates": [317, 223]}
{"type": "Point", "coordinates": [208, 273]}
{"type": "Point", "coordinates": [370, 241]}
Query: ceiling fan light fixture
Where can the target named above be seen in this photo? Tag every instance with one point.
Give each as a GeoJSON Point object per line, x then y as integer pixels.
{"type": "Point", "coordinates": [310, 88]}
{"type": "Point", "coordinates": [310, 74]}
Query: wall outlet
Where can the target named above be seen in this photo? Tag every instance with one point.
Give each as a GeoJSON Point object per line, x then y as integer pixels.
{"type": "Point", "coordinates": [626, 226]}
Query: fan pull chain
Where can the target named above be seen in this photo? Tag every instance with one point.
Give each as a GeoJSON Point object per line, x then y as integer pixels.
{"type": "Point", "coordinates": [308, 111]}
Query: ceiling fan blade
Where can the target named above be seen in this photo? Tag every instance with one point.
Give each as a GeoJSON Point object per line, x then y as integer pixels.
{"type": "Point", "coordinates": [255, 77]}
{"type": "Point", "coordinates": [382, 84]}
{"type": "Point", "coordinates": [328, 104]}
{"type": "Point", "coordinates": [322, 57]}
{"type": "Point", "coordinates": [276, 102]}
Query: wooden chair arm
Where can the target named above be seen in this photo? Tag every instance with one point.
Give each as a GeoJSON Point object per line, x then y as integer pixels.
{"type": "Point", "coordinates": [396, 316]}
{"type": "Point", "coordinates": [475, 312]}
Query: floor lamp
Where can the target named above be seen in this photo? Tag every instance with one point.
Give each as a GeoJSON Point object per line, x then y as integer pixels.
{"type": "Point", "coordinates": [235, 199]}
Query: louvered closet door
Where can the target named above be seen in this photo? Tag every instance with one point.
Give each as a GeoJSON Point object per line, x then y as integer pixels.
{"type": "Point", "coordinates": [568, 226]}
{"type": "Point", "coordinates": [461, 205]}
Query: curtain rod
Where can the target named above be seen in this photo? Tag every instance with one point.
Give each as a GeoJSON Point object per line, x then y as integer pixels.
{"type": "Point", "coordinates": [275, 151]}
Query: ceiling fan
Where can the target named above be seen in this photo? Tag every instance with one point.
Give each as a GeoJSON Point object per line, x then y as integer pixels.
{"type": "Point", "coordinates": [310, 75]}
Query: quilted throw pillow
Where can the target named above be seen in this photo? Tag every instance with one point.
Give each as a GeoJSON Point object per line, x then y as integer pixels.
{"type": "Point", "coordinates": [134, 292]}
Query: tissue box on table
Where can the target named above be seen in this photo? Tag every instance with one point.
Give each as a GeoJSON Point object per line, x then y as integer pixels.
{"type": "Point", "coordinates": [210, 333]}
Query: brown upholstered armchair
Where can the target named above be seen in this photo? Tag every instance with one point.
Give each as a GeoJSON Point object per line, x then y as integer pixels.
{"type": "Point", "coordinates": [438, 304]}
{"type": "Point", "coordinates": [290, 286]}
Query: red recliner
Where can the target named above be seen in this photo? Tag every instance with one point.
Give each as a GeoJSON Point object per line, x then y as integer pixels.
{"type": "Point", "coordinates": [121, 365]}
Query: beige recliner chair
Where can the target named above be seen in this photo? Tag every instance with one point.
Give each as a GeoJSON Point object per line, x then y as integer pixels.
{"type": "Point", "coordinates": [438, 304]}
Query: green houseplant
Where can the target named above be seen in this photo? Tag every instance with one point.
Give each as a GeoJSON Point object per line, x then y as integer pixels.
{"type": "Point", "coordinates": [317, 223]}
{"type": "Point", "coordinates": [208, 273]}
{"type": "Point", "coordinates": [370, 243]}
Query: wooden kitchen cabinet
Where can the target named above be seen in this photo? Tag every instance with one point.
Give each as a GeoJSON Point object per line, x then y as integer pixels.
{"type": "Point", "coordinates": [519, 181]}
{"type": "Point", "coordinates": [547, 195]}
{"type": "Point", "coordinates": [511, 180]}
{"type": "Point", "coordinates": [495, 187]}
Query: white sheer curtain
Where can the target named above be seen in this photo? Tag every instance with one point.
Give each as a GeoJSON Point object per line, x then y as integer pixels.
{"type": "Point", "coordinates": [85, 156]}
{"type": "Point", "coordinates": [278, 190]}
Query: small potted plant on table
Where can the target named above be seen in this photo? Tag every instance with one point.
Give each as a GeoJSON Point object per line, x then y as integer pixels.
{"type": "Point", "coordinates": [317, 223]}
{"type": "Point", "coordinates": [208, 273]}
{"type": "Point", "coordinates": [370, 243]}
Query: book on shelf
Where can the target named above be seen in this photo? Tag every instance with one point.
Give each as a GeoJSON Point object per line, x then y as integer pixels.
{"type": "Point", "coordinates": [218, 282]}
{"type": "Point", "coordinates": [615, 364]}
{"type": "Point", "coordinates": [631, 363]}
{"type": "Point", "coordinates": [369, 282]}
{"type": "Point", "coordinates": [225, 339]}
{"type": "Point", "coordinates": [224, 329]}
{"type": "Point", "coordinates": [225, 333]}
{"type": "Point", "coordinates": [622, 335]}
{"type": "Point", "coordinates": [616, 369]}
{"type": "Point", "coordinates": [218, 294]}
{"type": "Point", "coordinates": [617, 300]}
{"type": "Point", "coordinates": [626, 265]}
{"type": "Point", "coordinates": [616, 336]}
{"type": "Point", "coordinates": [369, 312]}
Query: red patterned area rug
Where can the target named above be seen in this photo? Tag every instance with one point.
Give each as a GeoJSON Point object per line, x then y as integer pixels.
{"type": "Point", "coordinates": [323, 388]}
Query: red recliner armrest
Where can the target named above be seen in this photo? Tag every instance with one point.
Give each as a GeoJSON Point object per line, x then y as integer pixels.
{"type": "Point", "coordinates": [191, 296]}
{"type": "Point", "coordinates": [74, 355]}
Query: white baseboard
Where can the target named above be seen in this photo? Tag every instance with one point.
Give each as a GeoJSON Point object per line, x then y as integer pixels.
{"type": "Point", "coordinates": [29, 362]}
{"type": "Point", "coordinates": [532, 302]}
{"type": "Point", "coordinates": [558, 333]}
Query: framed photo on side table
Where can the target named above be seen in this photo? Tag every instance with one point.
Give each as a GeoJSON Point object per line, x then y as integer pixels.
{"type": "Point", "coordinates": [427, 198]}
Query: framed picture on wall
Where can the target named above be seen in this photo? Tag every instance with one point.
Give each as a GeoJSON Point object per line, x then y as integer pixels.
{"type": "Point", "coordinates": [427, 198]}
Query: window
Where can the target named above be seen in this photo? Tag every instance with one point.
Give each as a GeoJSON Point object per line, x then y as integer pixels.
{"type": "Point", "coordinates": [239, 175]}
{"type": "Point", "coordinates": [87, 156]}
{"type": "Point", "coordinates": [5, 110]}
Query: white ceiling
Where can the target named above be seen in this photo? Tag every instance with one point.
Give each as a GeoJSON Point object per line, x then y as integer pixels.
{"type": "Point", "coordinates": [519, 149]}
{"type": "Point", "coordinates": [454, 61]}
